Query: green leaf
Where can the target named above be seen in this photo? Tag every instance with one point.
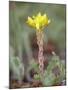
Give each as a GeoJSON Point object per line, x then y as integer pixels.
{"type": "Point", "coordinates": [49, 79]}
{"type": "Point", "coordinates": [37, 77]}
{"type": "Point", "coordinates": [33, 65]}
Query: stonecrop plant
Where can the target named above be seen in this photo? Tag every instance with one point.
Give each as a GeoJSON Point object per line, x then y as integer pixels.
{"type": "Point", "coordinates": [38, 22]}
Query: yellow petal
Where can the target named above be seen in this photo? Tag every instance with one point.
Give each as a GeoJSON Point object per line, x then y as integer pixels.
{"type": "Point", "coordinates": [37, 26]}
{"type": "Point", "coordinates": [44, 15]}
{"type": "Point", "coordinates": [49, 21]}
{"type": "Point", "coordinates": [33, 16]}
{"type": "Point", "coordinates": [39, 14]}
{"type": "Point", "coordinates": [30, 20]}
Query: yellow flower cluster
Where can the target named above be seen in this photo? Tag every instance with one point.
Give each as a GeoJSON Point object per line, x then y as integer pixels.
{"type": "Point", "coordinates": [38, 22]}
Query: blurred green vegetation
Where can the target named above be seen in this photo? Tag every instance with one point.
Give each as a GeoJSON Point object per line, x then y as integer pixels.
{"type": "Point", "coordinates": [19, 11]}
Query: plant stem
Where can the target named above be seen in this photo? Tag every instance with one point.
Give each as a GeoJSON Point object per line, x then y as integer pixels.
{"type": "Point", "coordinates": [40, 53]}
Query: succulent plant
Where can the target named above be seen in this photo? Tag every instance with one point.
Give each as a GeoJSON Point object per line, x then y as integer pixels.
{"type": "Point", "coordinates": [53, 75]}
{"type": "Point", "coordinates": [39, 22]}
{"type": "Point", "coordinates": [55, 72]}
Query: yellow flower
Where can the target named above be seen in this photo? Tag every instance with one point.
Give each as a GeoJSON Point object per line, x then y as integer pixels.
{"type": "Point", "coordinates": [38, 22]}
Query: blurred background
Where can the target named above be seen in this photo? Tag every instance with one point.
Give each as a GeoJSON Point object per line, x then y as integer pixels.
{"type": "Point", "coordinates": [22, 40]}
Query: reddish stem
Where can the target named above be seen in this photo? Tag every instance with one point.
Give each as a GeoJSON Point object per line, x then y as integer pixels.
{"type": "Point", "coordinates": [40, 53]}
